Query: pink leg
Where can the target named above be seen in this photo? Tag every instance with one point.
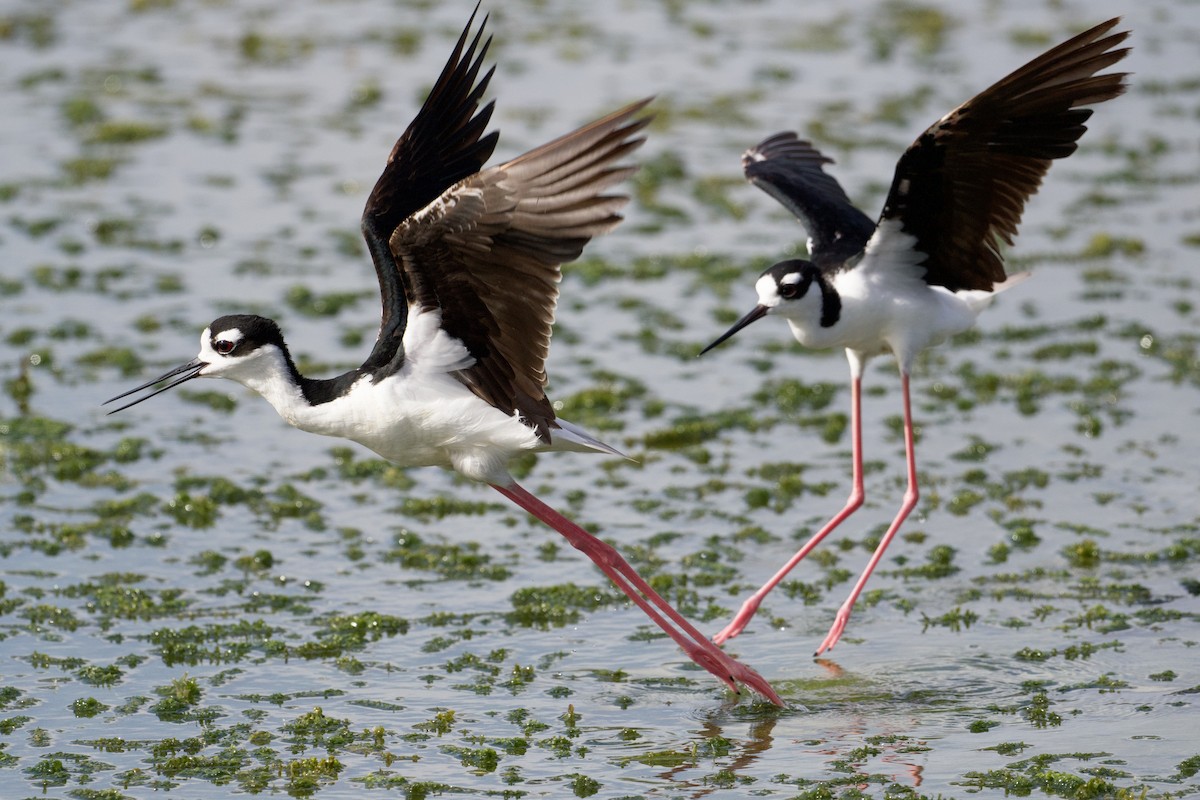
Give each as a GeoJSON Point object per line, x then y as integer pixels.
{"type": "Point", "coordinates": [612, 564]}
{"type": "Point", "coordinates": [910, 501]}
{"type": "Point", "coordinates": [855, 501]}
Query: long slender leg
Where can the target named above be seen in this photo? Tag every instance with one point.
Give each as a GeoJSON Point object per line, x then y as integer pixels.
{"type": "Point", "coordinates": [853, 503]}
{"type": "Point", "coordinates": [618, 570]}
{"type": "Point", "coordinates": [910, 501]}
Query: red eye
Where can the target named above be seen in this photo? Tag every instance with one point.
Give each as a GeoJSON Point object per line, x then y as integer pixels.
{"type": "Point", "coordinates": [223, 346]}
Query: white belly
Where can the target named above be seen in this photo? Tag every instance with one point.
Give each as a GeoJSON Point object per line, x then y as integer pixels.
{"type": "Point", "coordinates": [439, 422]}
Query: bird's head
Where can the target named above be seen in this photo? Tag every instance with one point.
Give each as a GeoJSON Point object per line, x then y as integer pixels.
{"type": "Point", "coordinates": [242, 347]}
{"type": "Point", "coordinates": [237, 347]}
{"type": "Point", "coordinates": [782, 289]}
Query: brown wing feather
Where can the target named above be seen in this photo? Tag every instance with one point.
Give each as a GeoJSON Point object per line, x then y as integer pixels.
{"type": "Point", "coordinates": [961, 187]}
{"type": "Point", "coordinates": [488, 253]}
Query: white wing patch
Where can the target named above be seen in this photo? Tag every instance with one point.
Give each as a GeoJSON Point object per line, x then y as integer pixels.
{"type": "Point", "coordinates": [891, 251]}
{"type": "Point", "coordinates": [428, 348]}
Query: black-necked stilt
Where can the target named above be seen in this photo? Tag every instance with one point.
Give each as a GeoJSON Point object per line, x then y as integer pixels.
{"type": "Point", "coordinates": [468, 261]}
{"type": "Point", "coordinates": [933, 262]}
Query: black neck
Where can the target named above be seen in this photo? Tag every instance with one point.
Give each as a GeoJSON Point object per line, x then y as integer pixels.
{"type": "Point", "coordinates": [388, 354]}
{"type": "Point", "coordinates": [831, 301]}
{"type": "Point", "coordinates": [317, 391]}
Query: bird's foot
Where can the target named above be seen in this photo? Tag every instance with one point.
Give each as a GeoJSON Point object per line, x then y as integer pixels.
{"type": "Point", "coordinates": [757, 682]}
{"type": "Point", "coordinates": [732, 672]}
{"type": "Point", "coordinates": [835, 631]}
{"type": "Point", "coordinates": [739, 622]}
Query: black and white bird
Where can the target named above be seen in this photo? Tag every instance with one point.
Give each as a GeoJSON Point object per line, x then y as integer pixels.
{"type": "Point", "coordinates": [468, 261]}
{"type": "Point", "coordinates": [934, 260]}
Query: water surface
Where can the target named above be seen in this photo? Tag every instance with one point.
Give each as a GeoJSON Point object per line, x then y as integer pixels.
{"type": "Point", "coordinates": [195, 599]}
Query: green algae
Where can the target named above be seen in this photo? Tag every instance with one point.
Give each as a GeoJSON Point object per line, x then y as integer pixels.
{"type": "Point", "coordinates": [600, 407]}
{"type": "Point", "coordinates": [306, 302]}
{"type": "Point", "coordinates": [59, 767]}
{"type": "Point", "coordinates": [206, 552]}
{"type": "Point", "coordinates": [88, 707]}
{"type": "Point", "coordinates": [216, 643]}
{"type": "Point", "coordinates": [900, 22]}
{"type": "Point", "coordinates": [375, 469]}
{"type": "Point", "coordinates": [217, 401]}
{"type": "Point", "coordinates": [78, 171]}
{"type": "Point", "coordinates": [1042, 773]}
{"type": "Point", "coordinates": [439, 508]}
{"type": "Point", "coordinates": [555, 606]}
{"type": "Point", "coordinates": [343, 634]}
{"type": "Point", "coordinates": [265, 50]}
{"type": "Point", "coordinates": [695, 429]}
{"type": "Point", "coordinates": [450, 561]}
{"type": "Point", "coordinates": [121, 131]}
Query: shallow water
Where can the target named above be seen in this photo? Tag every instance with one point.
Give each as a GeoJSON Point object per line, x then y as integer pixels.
{"type": "Point", "coordinates": [196, 599]}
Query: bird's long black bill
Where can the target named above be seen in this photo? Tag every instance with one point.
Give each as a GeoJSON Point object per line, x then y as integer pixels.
{"type": "Point", "coordinates": [757, 313]}
{"type": "Point", "coordinates": [188, 371]}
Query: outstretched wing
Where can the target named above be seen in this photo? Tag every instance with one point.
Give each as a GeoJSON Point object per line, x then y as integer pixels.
{"type": "Point", "coordinates": [961, 187]}
{"type": "Point", "coordinates": [443, 145]}
{"type": "Point", "coordinates": [487, 254]}
{"type": "Point", "coordinates": [791, 170]}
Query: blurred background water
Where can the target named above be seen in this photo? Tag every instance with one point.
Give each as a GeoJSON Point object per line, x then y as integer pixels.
{"type": "Point", "coordinates": [185, 585]}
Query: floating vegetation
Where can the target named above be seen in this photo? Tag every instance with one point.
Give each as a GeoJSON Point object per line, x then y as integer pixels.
{"type": "Point", "coordinates": [196, 600]}
{"type": "Point", "coordinates": [900, 21]}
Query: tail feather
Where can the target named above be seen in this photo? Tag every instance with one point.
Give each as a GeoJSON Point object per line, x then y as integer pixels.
{"type": "Point", "coordinates": [979, 299]}
{"type": "Point", "coordinates": [569, 436]}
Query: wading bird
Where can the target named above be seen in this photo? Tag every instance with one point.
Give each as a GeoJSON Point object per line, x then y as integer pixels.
{"type": "Point", "coordinates": [933, 262]}
{"type": "Point", "coordinates": [468, 261]}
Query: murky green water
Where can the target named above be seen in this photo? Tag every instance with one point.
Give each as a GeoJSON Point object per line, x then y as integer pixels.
{"type": "Point", "coordinates": [195, 599]}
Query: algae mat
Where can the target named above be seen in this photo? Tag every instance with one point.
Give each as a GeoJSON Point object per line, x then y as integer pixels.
{"type": "Point", "coordinates": [197, 601]}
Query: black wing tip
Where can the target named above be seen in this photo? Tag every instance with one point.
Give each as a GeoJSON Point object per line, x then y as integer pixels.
{"type": "Point", "coordinates": [619, 128]}
{"type": "Point", "coordinates": [1098, 30]}
{"type": "Point", "coordinates": [784, 146]}
{"type": "Point", "coordinates": [1093, 36]}
{"type": "Point", "coordinates": [628, 111]}
{"type": "Point", "coordinates": [638, 105]}
{"type": "Point", "coordinates": [462, 38]}
{"type": "Point", "coordinates": [446, 140]}
{"type": "Point", "coordinates": [1092, 47]}
{"type": "Point", "coordinates": [626, 120]}
{"type": "Point", "coordinates": [1106, 53]}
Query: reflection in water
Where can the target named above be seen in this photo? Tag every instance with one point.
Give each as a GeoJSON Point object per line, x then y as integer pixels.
{"type": "Point", "coordinates": [841, 745]}
{"type": "Point", "coordinates": [758, 741]}
{"type": "Point", "coordinates": [832, 667]}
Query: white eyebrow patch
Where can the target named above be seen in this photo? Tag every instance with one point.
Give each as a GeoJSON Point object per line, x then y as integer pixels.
{"type": "Point", "coordinates": [233, 336]}
{"type": "Point", "coordinates": [790, 278]}
{"type": "Point", "coordinates": [214, 347]}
